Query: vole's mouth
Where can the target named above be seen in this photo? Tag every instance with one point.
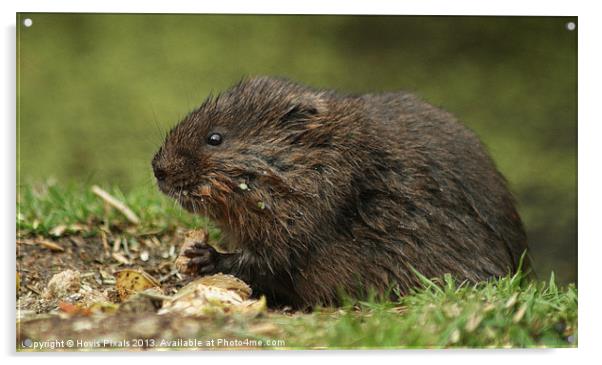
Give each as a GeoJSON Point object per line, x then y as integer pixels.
{"type": "Point", "coordinates": [195, 206]}
{"type": "Point", "coordinates": [194, 198]}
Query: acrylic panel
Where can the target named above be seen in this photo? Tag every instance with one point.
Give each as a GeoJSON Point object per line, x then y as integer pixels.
{"type": "Point", "coordinates": [192, 182]}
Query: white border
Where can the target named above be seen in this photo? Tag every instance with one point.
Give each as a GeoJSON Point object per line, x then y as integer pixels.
{"type": "Point", "coordinates": [590, 203]}
{"type": "Point", "coordinates": [430, 7]}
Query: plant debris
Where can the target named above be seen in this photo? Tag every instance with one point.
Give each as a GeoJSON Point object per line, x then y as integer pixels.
{"type": "Point", "coordinates": [62, 284]}
{"type": "Point", "coordinates": [130, 281]}
{"type": "Point", "coordinates": [223, 294]}
{"type": "Point", "coordinates": [115, 203]}
{"type": "Point", "coordinates": [50, 245]}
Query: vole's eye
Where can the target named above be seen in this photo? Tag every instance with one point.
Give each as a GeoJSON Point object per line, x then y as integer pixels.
{"type": "Point", "coordinates": [215, 139]}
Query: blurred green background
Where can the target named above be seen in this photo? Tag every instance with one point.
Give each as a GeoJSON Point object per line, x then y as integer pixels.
{"type": "Point", "coordinates": [96, 92]}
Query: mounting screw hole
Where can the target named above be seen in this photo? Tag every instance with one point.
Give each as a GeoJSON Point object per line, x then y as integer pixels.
{"type": "Point", "coordinates": [571, 26]}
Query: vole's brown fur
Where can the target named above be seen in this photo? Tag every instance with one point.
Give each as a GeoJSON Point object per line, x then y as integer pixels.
{"type": "Point", "coordinates": [324, 193]}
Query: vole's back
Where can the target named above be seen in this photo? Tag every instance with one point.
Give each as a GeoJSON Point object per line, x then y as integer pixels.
{"type": "Point", "coordinates": [447, 206]}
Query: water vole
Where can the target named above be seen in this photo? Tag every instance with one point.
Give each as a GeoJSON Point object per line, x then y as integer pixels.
{"type": "Point", "coordinates": [322, 192]}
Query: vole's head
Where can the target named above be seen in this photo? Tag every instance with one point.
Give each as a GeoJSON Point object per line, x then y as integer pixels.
{"type": "Point", "coordinates": [243, 148]}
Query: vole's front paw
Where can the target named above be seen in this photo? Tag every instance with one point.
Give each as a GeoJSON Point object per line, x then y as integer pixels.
{"type": "Point", "coordinates": [198, 258]}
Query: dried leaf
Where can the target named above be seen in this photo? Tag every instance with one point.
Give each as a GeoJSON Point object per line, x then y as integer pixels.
{"type": "Point", "coordinates": [201, 298]}
{"type": "Point", "coordinates": [74, 309]}
{"type": "Point", "coordinates": [58, 230]}
{"type": "Point", "coordinates": [228, 282]}
{"type": "Point", "coordinates": [131, 281]}
{"type": "Point", "coordinates": [455, 336]}
{"type": "Point", "coordinates": [473, 322]}
{"type": "Point", "coordinates": [512, 301]}
{"type": "Point", "coordinates": [520, 313]}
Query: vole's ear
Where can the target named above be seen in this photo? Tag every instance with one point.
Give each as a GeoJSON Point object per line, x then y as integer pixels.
{"type": "Point", "coordinates": [302, 110]}
{"type": "Point", "coordinates": [306, 123]}
{"type": "Point", "coordinates": [298, 113]}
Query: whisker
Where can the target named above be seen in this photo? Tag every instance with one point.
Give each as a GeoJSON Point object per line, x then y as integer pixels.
{"type": "Point", "coordinates": [161, 132]}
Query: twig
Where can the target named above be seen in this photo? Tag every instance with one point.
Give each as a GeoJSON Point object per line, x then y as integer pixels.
{"type": "Point", "coordinates": [126, 247]}
{"type": "Point", "coordinates": [50, 245]}
{"type": "Point", "coordinates": [112, 201]}
{"type": "Point", "coordinates": [120, 258]}
{"type": "Point", "coordinates": [105, 243]}
{"type": "Point", "coordinates": [31, 288]}
{"type": "Point", "coordinates": [173, 272]}
{"type": "Point", "coordinates": [117, 244]}
{"type": "Point", "coordinates": [25, 242]}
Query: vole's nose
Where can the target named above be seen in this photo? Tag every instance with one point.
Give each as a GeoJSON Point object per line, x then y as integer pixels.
{"type": "Point", "coordinates": [159, 172]}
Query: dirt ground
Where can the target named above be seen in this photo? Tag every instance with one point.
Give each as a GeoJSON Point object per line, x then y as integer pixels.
{"type": "Point", "coordinates": [52, 320]}
{"type": "Point", "coordinates": [37, 263]}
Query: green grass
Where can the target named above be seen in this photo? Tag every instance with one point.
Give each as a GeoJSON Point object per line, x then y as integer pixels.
{"type": "Point", "coordinates": [510, 312]}
{"type": "Point", "coordinates": [503, 313]}
{"type": "Point", "coordinates": [42, 207]}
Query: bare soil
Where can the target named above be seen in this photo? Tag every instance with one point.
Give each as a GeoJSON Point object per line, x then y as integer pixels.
{"type": "Point", "coordinates": [131, 327]}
